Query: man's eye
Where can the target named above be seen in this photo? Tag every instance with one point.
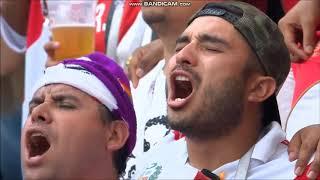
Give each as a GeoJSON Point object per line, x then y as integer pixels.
{"type": "Point", "coordinates": [66, 105]}
{"type": "Point", "coordinates": [211, 49]}
{"type": "Point", "coordinates": [178, 50]}
{"type": "Point", "coordinates": [179, 47]}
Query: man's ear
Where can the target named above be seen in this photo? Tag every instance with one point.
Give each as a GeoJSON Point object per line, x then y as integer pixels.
{"type": "Point", "coordinates": [117, 135]}
{"type": "Point", "coordinates": [260, 88]}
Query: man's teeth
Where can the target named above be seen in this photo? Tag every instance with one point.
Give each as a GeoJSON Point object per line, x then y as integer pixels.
{"type": "Point", "coordinates": [179, 99]}
{"type": "Point", "coordinates": [36, 134]}
{"type": "Point", "coordinates": [182, 78]}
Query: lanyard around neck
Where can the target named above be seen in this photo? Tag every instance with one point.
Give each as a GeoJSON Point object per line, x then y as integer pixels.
{"type": "Point", "coordinates": [242, 169]}
{"type": "Point", "coordinates": [243, 165]}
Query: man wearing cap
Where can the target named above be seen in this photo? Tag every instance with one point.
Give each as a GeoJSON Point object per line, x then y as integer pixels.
{"type": "Point", "coordinates": [221, 84]}
{"type": "Point", "coordinates": [81, 122]}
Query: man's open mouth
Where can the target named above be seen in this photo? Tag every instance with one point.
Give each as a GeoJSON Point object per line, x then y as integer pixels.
{"type": "Point", "coordinates": [183, 87]}
{"type": "Point", "coordinates": [37, 144]}
{"type": "Point", "coordinates": [181, 90]}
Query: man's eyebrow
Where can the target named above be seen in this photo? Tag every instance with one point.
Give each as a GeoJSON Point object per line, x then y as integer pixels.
{"type": "Point", "coordinates": [62, 97]}
{"type": "Point", "coordinates": [206, 38]}
{"type": "Point", "coordinates": [183, 39]}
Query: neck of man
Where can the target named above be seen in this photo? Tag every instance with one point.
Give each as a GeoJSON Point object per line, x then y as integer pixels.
{"type": "Point", "coordinates": [168, 32]}
{"type": "Point", "coordinates": [212, 153]}
{"type": "Point", "coordinates": [102, 169]}
{"type": "Point", "coordinates": [114, 175]}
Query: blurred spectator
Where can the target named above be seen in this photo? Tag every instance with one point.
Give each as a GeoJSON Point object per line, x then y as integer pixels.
{"type": "Point", "coordinates": [299, 96]}
{"type": "Point", "coordinates": [304, 74]}
{"type": "Point", "coordinates": [13, 27]}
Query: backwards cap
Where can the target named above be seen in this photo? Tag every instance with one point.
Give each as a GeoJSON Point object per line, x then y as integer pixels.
{"type": "Point", "coordinates": [264, 38]}
{"type": "Point", "coordinates": [101, 78]}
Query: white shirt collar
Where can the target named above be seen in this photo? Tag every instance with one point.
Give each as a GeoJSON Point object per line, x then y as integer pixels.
{"type": "Point", "coordinates": [263, 150]}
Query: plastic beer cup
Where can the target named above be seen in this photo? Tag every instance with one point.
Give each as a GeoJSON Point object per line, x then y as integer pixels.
{"type": "Point", "coordinates": [72, 23]}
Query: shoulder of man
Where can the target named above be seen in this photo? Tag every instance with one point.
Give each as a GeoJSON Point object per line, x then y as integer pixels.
{"type": "Point", "coordinates": [277, 166]}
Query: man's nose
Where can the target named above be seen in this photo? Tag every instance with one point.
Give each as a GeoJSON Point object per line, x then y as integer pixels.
{"type": "Point", "coordinates": [187, 55]}
{"type": "Point", "coordinates": [41, 114]}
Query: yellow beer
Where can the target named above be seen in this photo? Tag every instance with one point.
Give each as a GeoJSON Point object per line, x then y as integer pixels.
{"type": "Point", "coordinates": [75, 40]}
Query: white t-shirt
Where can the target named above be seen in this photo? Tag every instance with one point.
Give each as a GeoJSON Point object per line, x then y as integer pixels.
{"type": "Point", "coordinates": [284, 98]}
{"type": "Point", "coordinates": [149, 100]}
{"type": "Point", "coordinates": [304, 84]}
{"type": "Point", "coordinates": [269, 160]}
{"type": "Point", "coordinates": [306, 112]}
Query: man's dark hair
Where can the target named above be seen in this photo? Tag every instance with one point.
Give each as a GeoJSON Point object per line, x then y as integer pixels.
{"type": "Point", "coordinates": [120, 156]}
{"type": "Point", "coordinates": [252, 65]}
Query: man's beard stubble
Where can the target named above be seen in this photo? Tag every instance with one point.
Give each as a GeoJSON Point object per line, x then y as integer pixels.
{"type": "Point", "coordinates": [218, 113]}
